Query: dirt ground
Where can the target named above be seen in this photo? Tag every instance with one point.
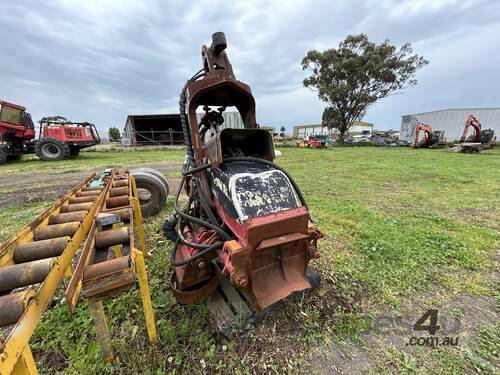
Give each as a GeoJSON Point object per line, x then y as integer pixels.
{"type": "Point", "coordinates": [40, 186]}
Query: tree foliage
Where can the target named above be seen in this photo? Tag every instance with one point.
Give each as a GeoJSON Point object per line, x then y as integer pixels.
{"type": "Point", "coordinates": [356, 74]}
{"type": "Point", "coordinates": [114, 134]}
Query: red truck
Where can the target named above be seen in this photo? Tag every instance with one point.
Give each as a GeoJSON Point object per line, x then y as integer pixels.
{"type": "Point", "coordinates": [57, 138]}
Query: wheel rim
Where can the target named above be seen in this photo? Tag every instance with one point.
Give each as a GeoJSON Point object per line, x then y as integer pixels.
{"type": "Point", "coordinates": [51, 150]}
{"type": "Point", "coordinates": [144, 195]}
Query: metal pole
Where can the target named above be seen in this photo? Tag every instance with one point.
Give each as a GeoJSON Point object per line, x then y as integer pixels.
{"type": "Point", "coordinates": [102, 330]}
{"type": "Point", "coordinates": [142, 278]}
{"type": "Point", "coordinates": [25, 363]}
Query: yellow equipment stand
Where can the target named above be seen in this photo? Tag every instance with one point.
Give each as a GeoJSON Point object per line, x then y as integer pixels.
{"type": "Point", "coordinates": [15, 353]}
{"type": "Point", "coordinates": [109, 278]}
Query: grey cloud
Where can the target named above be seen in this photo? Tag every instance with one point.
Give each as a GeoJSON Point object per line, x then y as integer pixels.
{"type": "Point", "coordinates": [100, 61]}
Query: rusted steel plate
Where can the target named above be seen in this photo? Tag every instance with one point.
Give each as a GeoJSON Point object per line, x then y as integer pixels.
{"type": "Point", "coordinates": [280, 240]}
{"type": "Point", "coordinates": [278, 271]}
{"type": "Point", "coordinates": [12, 306]}
{"type": "Point", "coordinates": [109, 284]}
{"type": "Point", "coordinates": [27, 252]}
{"type": "Point", "coordinates": [19, 275]}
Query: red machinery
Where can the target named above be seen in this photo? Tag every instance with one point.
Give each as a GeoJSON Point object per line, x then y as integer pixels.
{"type": "Point", "coordinates": [479, 140]}
{"type": "Point", "coordinates": [16, 130]}
{"type": "Point", "coordinates": [476, 125]}
{"type": "Point", "coordinates": [58, 138]}
{"type": "Point", "coordinates": [243, 212]}
{"type": "Point", "coordinates": [431, 139]}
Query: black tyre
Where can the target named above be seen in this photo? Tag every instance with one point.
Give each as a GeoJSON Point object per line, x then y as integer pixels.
{"type": "Point", "coordinates": [3, 155]}
{"type": "Point", "coordinates": [14, 157]}
{"type": "Point", "coordinates": [313, 277]}
{"type": "Point", "coordinates": [152, 193]}
{"type": "Point", "coordinates": [156, 173]}
{"type": "Point", "coordinates": [74, 152]}
{"type": "Point", "coordinates": [51, 149]}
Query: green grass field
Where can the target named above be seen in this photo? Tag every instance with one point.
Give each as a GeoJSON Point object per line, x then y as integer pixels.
{"type": "Point", "coordinates": [88, 160]}
{"type": "Point", "coordinates": [405, 230]}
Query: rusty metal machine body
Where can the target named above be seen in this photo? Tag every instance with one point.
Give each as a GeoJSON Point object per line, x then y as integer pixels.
{"type": "Point", "coordinates": [243, 211]}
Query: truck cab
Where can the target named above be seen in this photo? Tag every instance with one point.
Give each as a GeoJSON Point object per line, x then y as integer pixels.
{"type": "Point", "coordinates": [15, 123]}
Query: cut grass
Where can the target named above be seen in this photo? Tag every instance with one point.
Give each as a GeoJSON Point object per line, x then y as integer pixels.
{"type": "Point", "coordinates": [399, 224]}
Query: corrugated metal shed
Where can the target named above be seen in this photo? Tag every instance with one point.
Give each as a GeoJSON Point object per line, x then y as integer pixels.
{"type": "Point", "coordinates": [166, 129]}
{"type": "Point", "coordinates": [451, 121]}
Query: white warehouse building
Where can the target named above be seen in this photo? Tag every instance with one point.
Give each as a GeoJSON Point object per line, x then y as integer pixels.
{"type": "Point", "coordinates": [359, 127]}
{"type": "Point", "coordinates": [451, 120]}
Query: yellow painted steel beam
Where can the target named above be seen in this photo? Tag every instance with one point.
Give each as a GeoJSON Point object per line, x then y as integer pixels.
{"type": "Point", "coordinates": [25, 364]}
{"type": "Point", "coordinates": [17, 340]}
{"type": "Point", "coordinates": [142, 279]}
{"type": "Point", "coordinates": [138, 216]}
{"type": "Point", "coordinates": [102, 329]}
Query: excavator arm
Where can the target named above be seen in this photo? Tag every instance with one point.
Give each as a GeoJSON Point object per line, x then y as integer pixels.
{"type": "Point", "coordinates": [422, 127]}
{"type": "Point", "coordinates": [474, 122]}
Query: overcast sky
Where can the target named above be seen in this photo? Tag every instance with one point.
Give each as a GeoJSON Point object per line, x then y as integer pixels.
{"type": "Point", "coordinates": [99, 61]}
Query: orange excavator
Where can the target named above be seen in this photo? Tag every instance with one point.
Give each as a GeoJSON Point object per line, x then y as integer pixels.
{"type": "Point", "coordinates": [479, 140]}
{"type": "Point", "coordinates": [431, 139]}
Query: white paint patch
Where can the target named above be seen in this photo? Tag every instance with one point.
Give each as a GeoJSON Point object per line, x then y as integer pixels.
{"type": "Point", "coordinates": [261, 198]}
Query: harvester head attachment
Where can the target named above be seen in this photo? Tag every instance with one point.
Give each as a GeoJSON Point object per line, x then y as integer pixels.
{"type": "Point", "coordinates": [244, 214]}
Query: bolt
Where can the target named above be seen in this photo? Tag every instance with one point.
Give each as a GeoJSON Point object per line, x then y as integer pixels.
{"type": "Point", "coordinates": [3, 356]}
{"type": "Point", "coordinates": [313, 251]}
{"type": "Point", "coordinates": [241, 279]}
{"type": "Point", "coordinates": [201, 264]}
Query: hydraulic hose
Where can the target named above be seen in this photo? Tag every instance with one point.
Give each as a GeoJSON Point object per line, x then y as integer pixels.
{"type": "Point", "coordinates": [199, 221]}
{"type": "Point", "coordinates": [194, 257]}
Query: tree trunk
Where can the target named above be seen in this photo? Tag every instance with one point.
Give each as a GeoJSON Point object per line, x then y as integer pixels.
{"type": "Point", "coordinates": [342, 132]}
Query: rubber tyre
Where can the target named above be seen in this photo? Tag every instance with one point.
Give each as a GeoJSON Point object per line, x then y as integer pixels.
{"type": "Point", "coordinates": [51, 149]}
{"type": "Point", "coordinates": [14, 157]}
{"type": "Point", "coordinates": [3, 156]}
{"type": "Point", "coordinates": [314, 278]}
{"type": "Point", "coordinates": [148, 184]}
{"type": "Point", "coordinates": [74, 152]}
{"type": "Point", "coordinates": [156, 173]}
